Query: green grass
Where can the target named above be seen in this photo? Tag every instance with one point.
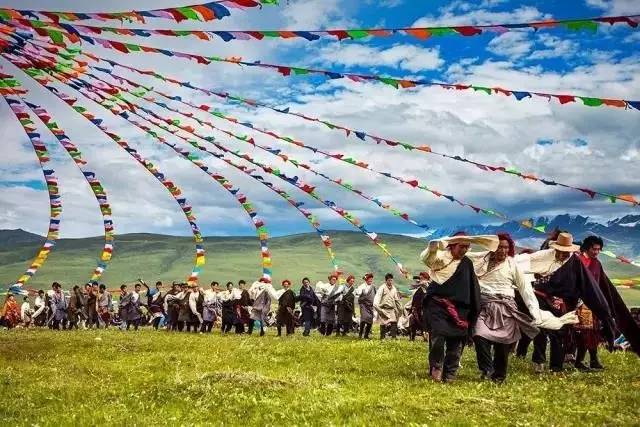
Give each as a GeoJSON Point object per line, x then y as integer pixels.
{"type": "Point", "coordinates": [157, 378]}
{"type": "Point", "coordinates": [155, 257]}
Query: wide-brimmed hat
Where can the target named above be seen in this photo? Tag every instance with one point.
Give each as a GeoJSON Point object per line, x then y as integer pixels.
{"type": "Point", "coordinates": [564, 243]}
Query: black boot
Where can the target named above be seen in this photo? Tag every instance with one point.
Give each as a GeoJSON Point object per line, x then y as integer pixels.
{"type": "Point", "coordinates": [582, 367]}
{"type": "Point", "coordinates": [594, 363]}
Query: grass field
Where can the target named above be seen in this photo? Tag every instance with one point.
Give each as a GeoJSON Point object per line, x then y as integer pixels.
{"type": "Point", "coordinates": [157, 378]}
{"type": "Point", "coordinates": [155, 257]}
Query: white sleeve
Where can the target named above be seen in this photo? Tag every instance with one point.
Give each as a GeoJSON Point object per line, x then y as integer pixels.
{"type": "Point", "coordinates": [430, 254]}
{"type": "Point", "coordinates": [378, 298]}
{"type": "Point", "coordinates": [526, 291]}
{"type": "Point", "coordinates": [275, 295]}
{"type": "Point", "coordinates": [193, 302]}
{"type": "Point", "coordinates": [358, 291]}
{"type": "Point", "coordinates": [537, 262]}
{"type": "Point", "coordinates": [39, 310]}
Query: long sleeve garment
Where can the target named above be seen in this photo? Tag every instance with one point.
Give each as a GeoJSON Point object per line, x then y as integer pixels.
{"type": "Point", "coordinates": [439, 260]}
{"type": "Point", "coordinates": [541, 262]}
{"type": "Point", "coordinates": [505, 279]}
{"type": "Point", "coordinates": [366, 294]}
{"type": "Point", "coordinates": [387, 304]}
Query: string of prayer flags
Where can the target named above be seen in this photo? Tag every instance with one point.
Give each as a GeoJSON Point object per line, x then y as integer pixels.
{"type": "Point", "coordinates": [95, 185]}
{"type": "Point", "coordinates": [286, 157]}
{"type": "Point", "coordinates": [258, 223]}
{"type": "Point", "coordinates": [7, 82]}
{"type": "Point", "coordinates": [200, 13]}
{"type": "Point", "coordinates": [162, 123]}
{"type": "Point", "coordinates": [288, 71]}
{"type": "Point", "coordinates": [149, 166]}
{"type": "Point", "coordinates": [210, 11]}
{"type": "Point", "coordinates": [361, 135]}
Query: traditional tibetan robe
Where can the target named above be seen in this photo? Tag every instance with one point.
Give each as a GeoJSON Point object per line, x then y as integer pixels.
{"type": "Point", "coordinates": [228, 313]}
{"type": "Point", "coordinates": [133, 309]}
{"type": "Point", "coordinates": [91, 308]}
{"type": "Point", "coordinates": [58, 306]}
{"type": "Point", "coordinates": [40, 314]}
{"type": "Point", "coordinates": [155, 301]}
{"type": "Point", "coordinates": [327, 294]}
{"type": "Point", "coordinates": [261, 302]}
{"type": "Point", "coordinates": [10, 314]}
{"type": "Point", "coordinates": [387, 304]}
{"type": "Point", "coordinates": [209, 306]}
{"type": "Point", "coordinates": [452, 307]}
{"type": "Point", "coordinates": [346, 307]}
{"type": "Point", "coordinates": [26, 313]}
{"type": "Point", "coordinates": [308, 300]}
{"type": "Point", "coordinates": [623, 318]}
{"type": "Point", "coordinates": [500, 320]}
{"type": "Point", "coordinates": [366, 294]}
{"type": "Point", "coordinates": [184, 312]}
{"type": "Point", "coordinates": [286, 304]}
{"type": "Point", "coordinates": [104, 307]}
{"type": "Point", "coordinates": [417, 321]}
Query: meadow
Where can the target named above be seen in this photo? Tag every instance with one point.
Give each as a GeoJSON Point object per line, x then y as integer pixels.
{"type": "Point", "coordinates": [158, 378]}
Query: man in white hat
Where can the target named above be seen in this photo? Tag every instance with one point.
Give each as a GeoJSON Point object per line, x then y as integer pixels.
{"type": "Point", "coordinates": [561, 281]}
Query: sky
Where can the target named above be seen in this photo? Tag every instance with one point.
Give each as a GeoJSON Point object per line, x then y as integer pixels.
{"type": "Point", "coordinates": [597, 148]}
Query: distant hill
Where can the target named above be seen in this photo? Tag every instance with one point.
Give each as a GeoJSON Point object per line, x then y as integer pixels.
{"type": "Point", "coordinates": [167, 258]}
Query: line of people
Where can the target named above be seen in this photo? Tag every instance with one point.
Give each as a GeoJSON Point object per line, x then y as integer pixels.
{"type": "Point", "coordinates": [492, 298]}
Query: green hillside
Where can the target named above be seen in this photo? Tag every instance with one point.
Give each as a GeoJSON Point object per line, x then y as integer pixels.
{"type": "Point", "coordinates": [167, 258]}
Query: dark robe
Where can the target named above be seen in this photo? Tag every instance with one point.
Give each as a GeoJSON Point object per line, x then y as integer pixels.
{"type": "Point", "coordinates": [308, 299]}
{"type": "Point", "coordinates": [228, 313]}
{"type": "Point", "coordinates": [573, 282]}
{"type": "Point", "coordinates": [451, 309]}
{"type": "Point", "coordinates": [184, 312]}
{"type": "Point", "coordinates": [346, 308]}
{"type": "Point", "coordinates": [173, 307]}
{"type": "Point", "coordinates": [240, 306]}
{"type": "Point", "coordinates": [92, 312]}
{"type": "Point", "coordinates": [133, 309]}
{"type": "Point", "coordinates": [417, 319]}
{"type": "Point", "coordinates": [286, 304]}
{"type": "Point", "coordinates": [619, 310]}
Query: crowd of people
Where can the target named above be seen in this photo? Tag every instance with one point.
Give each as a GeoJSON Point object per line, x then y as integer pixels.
{"type": "Point", "coordinates": [495, 300]}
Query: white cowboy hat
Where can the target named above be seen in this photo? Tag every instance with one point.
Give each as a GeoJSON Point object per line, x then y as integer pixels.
{"type": "Point", "coordinates": [564, 243]}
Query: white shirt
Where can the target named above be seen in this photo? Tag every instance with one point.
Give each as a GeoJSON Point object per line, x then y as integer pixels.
{"type": "Point", "coordinates": [362, 289]}
{"type": "Point", "coordinates": [541, 262]}
{"type": "Point", "coordinates": [503, 279]}
{"type": "Point", "coordinates": [323, 289]}
{"type": "Point", "coordinates": [441, 264]}
{"type": "Point", "coordinates": [24, 308]}
{"type": "Point", "coordinates": [193, 301]}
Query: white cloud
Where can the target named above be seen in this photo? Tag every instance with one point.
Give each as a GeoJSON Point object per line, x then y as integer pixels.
{"type": "Point", "coordinates": [615, 7]}
{"type": "Point", "coordinates": [406, 57]}
{"type": "Point", "coordinates": [466, 13]}
{"type": "Point", "coordinates": [554, 47]}
{"type": "Point", "coordinates": [513, 45]}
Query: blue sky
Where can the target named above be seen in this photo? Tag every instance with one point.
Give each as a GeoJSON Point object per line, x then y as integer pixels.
{"type": "Point", "coordinates": [597, 148]}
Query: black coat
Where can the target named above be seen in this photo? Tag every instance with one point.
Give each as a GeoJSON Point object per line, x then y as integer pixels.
{"type": "Point", "coordinates": [463, 291]}
{"type": "Point", "coordinates": [308, 299]}
{"type": "Point", "coordinates": [572, 282]}
{"type": "Point", "coordinates": [286, 304]}
{"type": "Point", "coordinates": [346, 307]}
